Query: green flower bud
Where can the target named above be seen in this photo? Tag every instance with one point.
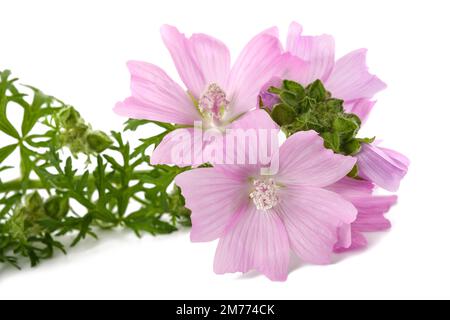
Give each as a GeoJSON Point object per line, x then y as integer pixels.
{"type": "Point", "coordinates": [33, 202]}
{"type": "Point", "coordinates": [75, 138]}
{"type": "Point", "coordinates": [98, 141]}
{"type": "Point", "coordinates": [56, 207]}
{"type": "Point", "coordinates": [69, 117]}
{"type": "Point", "coordinates": [16, 225]}
{"type": "Point", "coordinates": [24, 222]}
{"type": "Point", "coordinates": [313, 108]}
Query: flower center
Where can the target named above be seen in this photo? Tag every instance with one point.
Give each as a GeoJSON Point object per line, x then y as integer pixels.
{"type": "Point", "coordinates": [264, 194]}
{"type": "Point", "coordinates": [213, 103]}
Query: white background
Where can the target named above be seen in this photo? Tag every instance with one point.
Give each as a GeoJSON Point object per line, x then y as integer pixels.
{"type": "Point", "coordinates": [76, 50]}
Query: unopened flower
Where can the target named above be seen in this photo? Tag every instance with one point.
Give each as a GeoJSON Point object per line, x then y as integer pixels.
{"type": "Point", "coordinates": [78, 136]}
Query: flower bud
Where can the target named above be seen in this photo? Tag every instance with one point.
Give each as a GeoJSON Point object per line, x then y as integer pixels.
{"type": "Point", "coordinates": [33, 202]}
{"type": "Point", "coordinates": [69, 117]}
{"type": "Point", "coordinates": [98, 141]}
{"type": "Point", "coordinates": [56, 207]}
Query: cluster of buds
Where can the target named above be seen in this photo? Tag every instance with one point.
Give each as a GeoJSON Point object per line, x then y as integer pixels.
{"type": "Point", "coordinates": [79, 136]}
{"type": "Point", "coordinates": [25, 221]}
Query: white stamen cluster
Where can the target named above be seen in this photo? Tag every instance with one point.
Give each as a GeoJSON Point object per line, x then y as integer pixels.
{"type": "Point", "coordinates": [264, 195]}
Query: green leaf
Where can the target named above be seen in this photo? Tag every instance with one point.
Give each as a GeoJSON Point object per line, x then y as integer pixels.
{"type": "Point", "coordinates": [32, 221]}
{"type": "Point", "coordinates": [84, 228]}
{"type": "Point", "coordinates": [35, 111]}
{"type": "Point", "coordinates": [5, 152]}
{"type": "Point", "coordinates": [150, 225]}
{"type": "Point", "coordinates": [5, 86]}
{"type": "Point", "coordinates": [134, 124]}
{"type": "Point", "coordinates": [5, 125]}
{"type": "Point", "coordinates": [9, 203]}
{"type": "Point", "coordinates": [6, 168]}
{"type": "Point", "coordinates": [283, 114]}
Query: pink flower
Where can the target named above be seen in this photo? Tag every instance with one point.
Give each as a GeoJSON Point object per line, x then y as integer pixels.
{"type": "Point", "coordinates": [347, 78]}
{"type": "Point", "coordinates": [260, 218]}
{"type": "Point", "coordinates": [312, 57]}
{"type": "Point", "coordinates": [371, 210]}
{"type": "Point", "coordinates": [216, 93]}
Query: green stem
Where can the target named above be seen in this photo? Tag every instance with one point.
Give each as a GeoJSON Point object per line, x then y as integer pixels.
{"type": "Point", "coordinates": [16, 185]}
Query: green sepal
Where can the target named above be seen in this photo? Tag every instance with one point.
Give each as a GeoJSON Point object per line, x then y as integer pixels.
{"type": "Point", "coordinates": [295, 88]}
{"type": "Point", "coordinates": [317, 91]}
{"type": "Point", "coordinates": [366, 140]}
{"type": "Point", "coordinates": [289, 99]}
{"type": "Point", "coordinates": [283, 114]}
{"type": "Point", "coordinates": [275, 90]}
{"type": "Point", "coordinates": [352, 147]}
{"type": "Point", "coordinates": [354, 172]}
{"type": "Point", "coordinates": [332, 141]}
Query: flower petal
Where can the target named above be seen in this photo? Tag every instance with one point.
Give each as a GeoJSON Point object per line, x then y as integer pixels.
{"type": "Point", "coordinates": [371, 210]}
{"type": "Point", "coordinates": [257, 240]}
{"type": "Point", "coordinates": [269, 99]}
{"type": "Point", "coordinates": [294, 33]}
{"type": "Point", "coordinates": [305, 161]}
{"type": "Point", "coordinates": [249, 143]}
{"type": "Point", "coordinates": [349, 187]}
{"type": "Point", "coordinates": [186, 64]}
{"type": "Point", "coordinates": [401, 160]}
{"type": "Point", "coordinates": [344, 236]}
{"type": "Point", "coordinates": [384, 167]}
{"type": "Point", "coordinates": [312, 217]}
{"type": "Point", "coordinates": [350, 79]}
{"type": "Point", "coordinates": [316, 51]}
{"type": "Point", "coordinates": [361, 108]}
{"type": "Point", "coordinates": [155, 96]}
{"type": "Point", "coordinates": [359, 241]}
{"type": "Point", "coordinates": [272, 31]}
{"type": "Point", "coordinates": [256, 65]}
{"type": "Point", "coordinates": [214, 199]}
{"type": "Point", "coordinates": [213, 58]}
{"type": "Point", "coordinates": [180, 147]}
{"type": "Point", "coordinates": [292, 68]}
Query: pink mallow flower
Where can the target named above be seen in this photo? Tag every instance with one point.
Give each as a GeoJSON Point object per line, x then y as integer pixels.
{"type": "Point", "coordinates": [310, 58]}
{"type": "Point", "coordinates": [348, 78]}
{"type": "Point", "coordinates": [371, 210]}
{"type": "Point", "coordinates": [216, 94]}
{"type": "Point", "coordinates": [261, 218]}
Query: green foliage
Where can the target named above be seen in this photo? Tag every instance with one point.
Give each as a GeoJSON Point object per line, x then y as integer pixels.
{"type": "Point", "coordinates": [53, 201]}
{"type": "Point", "coordinates": [313, 108]}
